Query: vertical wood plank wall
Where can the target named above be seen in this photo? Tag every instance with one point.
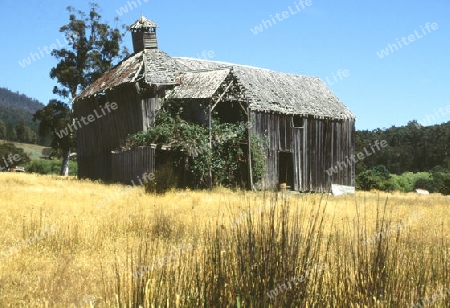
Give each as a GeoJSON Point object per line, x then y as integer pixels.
{"type": "Point", "coordinates": [319, 145]}
{"type": "Point", "coordinates": [96, 140]}
{"type": "Point", "coordinates": [130, 165]}
{"type": "Point", "coordinates": [316, 147]}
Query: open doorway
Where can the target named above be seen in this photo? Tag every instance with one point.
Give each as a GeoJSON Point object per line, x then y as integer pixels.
{"type": "Point", "coordinates": [286, 169]}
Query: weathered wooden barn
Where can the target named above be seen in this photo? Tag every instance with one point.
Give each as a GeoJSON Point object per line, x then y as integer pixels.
{"type": "Point", "coordinates": [307, 129]}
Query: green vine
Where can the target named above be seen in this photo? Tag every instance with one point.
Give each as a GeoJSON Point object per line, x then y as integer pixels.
{"type": "Point", "coordinates": [191, 152]}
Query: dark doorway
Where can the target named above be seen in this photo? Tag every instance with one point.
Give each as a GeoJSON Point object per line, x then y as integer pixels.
{"type": "Point", "coordinates": [286, 169]}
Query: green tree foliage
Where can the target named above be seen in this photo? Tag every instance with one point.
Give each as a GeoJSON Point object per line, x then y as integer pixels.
{"type": "Point", "coordinates": [8, 158]}
{"type": "Point", "coordinates": [24, 134]}
{"type": "Point", "coordinates": [417, 156]}
{"type": "Point", "coordinates": [191, 150]}
{"type": "Point", "coordinates": [93, 47]}
{"type": "Point", "coordinates": [21, 131]}
{"type": "Point", "coordinates": [56, 116]}
{"type": "Point", "coordinates": [43, 166]}
{"type": "Point", "coordinates": [258, 157]}
{"type": "Point", "coordinates": [31, 135]}
{"type": "Point", "coordinates": [442, 182]}
{"type": "Point", "coordinates": [376, 178]}
{"type": "Point", "coordinates": [406, 182]}
{"type": "Point", "coordinates": [412, 148]}
{"type": "Point", "coordinates": [11, 133]}
{"type": "Point", "coordinates": [15, 107]}
{"type": "Point", "coordinates": [2, 130]}
{"type": "Point", "coordinates": [434, 182]}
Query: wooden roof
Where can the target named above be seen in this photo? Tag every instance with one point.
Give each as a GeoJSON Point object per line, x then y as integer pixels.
{"type": "Point", "coordinates": [265, 90]}
{"type": "Point", "coordinates": [143, 23]}
{"type": "Point", "coordinates": [269, 91]}
{"type": "Point", "coordinates": [199, 84]}
{"type": "Point", "coordinates": [153, 65]}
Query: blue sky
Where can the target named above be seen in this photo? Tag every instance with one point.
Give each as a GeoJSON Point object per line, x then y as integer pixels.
{"type": "Point", "coordinates": [338, 41]}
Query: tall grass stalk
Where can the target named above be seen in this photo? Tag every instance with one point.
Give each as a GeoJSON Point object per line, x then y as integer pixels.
{"type": "Point", "coordinates": [218, 248]}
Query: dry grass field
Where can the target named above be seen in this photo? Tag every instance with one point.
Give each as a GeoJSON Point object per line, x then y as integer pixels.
{"type": "Point", "coordinates": [70, 243]}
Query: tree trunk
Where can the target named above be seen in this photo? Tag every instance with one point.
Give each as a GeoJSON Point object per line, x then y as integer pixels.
{"type": "Point", "coordinates": [65, 164]}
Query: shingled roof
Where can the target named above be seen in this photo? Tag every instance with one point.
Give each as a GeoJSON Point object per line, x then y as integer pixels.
{"type": "Point", "coordinates": [143, 23]}
{"type": "Point", "coordinates": [153, 65]}
{"type": "Point", "coordinates": [266, 90]}
{"type": "Point", "coordinates": [199, 84]}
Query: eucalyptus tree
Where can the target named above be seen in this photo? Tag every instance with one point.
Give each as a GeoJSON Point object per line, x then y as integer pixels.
{"type": "Point", "coordinates": [91, 48]}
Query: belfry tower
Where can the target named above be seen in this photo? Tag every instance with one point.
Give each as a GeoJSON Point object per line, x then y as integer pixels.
{"type": "Point", "coordinates": [143, 33]}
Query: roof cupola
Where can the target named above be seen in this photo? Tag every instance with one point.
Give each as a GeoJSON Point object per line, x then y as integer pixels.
{"type": "Point", "coordinates": [143, 33]}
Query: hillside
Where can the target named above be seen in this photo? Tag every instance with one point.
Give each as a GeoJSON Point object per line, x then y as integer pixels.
{"type": "Point", "coordinates": [412, 148]}
{"type": "Point", "coordinates": [15, 106]}
{"type": "Point", "coordinates": [15, 100]}
{"type": "Point", "coordinates": [34, 151]}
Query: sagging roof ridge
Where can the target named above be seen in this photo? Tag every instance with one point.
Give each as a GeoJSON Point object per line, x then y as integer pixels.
{"type": "Point", "coordinates": [265, 89]}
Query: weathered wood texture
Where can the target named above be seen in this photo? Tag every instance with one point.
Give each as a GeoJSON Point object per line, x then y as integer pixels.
{"type": "Point", "coordinates": [320, 138]}
{"type": "Point", "coordinates": [129, 166]}
{"type": "Point", "coordinates": [97, 139]}
{"type": "Point", "coordinates": [144, 34]}
{"type": "Point", "coordinates": [143, 40]}
{"type": "Point", "coordinates": [317, 146]}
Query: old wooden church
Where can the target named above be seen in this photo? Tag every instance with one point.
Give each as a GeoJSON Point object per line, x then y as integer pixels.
{"type": "Point", "coordinates": [307, 129]}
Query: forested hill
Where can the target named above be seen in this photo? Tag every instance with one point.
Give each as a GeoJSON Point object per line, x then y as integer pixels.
{"type": "Point", "coordinates": [15, 107]}
{"type": "Point", "coordinates": [14, 100]}
{"type": "Point", "coordinates": [412, 148]}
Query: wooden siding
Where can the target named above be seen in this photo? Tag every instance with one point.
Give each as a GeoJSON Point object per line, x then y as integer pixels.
{"type": "Point", "coordinates": [129, 166]}
{"type": "Point", "coordinates": [137, 83]}
{"type": "Point", "coordinates": [144, 40]}
{"type": "Point", "coordinates": [319, 145]}
{"type": "Point", "coordinates": [96, 140]}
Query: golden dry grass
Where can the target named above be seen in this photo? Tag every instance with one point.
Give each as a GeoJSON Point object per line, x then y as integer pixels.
{"type": "Point", "coordinates": [83, 241]}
